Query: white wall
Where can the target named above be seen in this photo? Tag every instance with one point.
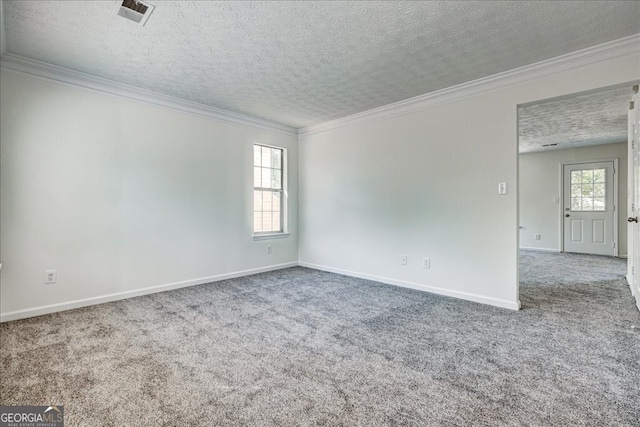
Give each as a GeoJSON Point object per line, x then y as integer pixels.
{"type": "Point", "coordinates": [424, 184]}
{"type": "Point", "coordinates": [124, 198]}
{"type": "Point", "coordinates": [540, 184]}
{"type": "Point", "coordinates": [119, 196]}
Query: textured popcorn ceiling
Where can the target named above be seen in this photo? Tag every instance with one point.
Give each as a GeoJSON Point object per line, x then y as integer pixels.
{"type": "Point", "coordinates": [303, 63]}
{"type": "Point", "coordinates": [577, 121]}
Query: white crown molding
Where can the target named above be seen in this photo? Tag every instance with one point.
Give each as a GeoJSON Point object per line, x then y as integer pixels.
{"type": "Point", "coordinates": [585, 57]}
{"type": "Point", "coordinates": [604, 52]}
{"type": "Point", "coordinates": [18, 64]}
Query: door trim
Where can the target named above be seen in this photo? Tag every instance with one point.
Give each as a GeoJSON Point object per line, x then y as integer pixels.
{"type": "Point", "coordinates": [633, 273]}
{"type": "Point", "coordinates": [616, 171]}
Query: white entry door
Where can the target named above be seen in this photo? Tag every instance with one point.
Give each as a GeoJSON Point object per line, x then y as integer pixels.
{"type": "Point", "coordinates": [588, 213]}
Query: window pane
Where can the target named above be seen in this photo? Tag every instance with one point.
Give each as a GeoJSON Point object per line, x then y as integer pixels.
{"type": "Point", "coordinates": [266, 178]}
{"type": "Point", "coordinates": [576, 191]}
{"type": "Point", "coordinates": [598, 175]}
{"type": "Point", "coordinates": [266, 157]}
{"type": "Point", "coordinates": [266, 201]}
{"type": "Point", "coordinates": [276, 158]}
{"type": "Point", "coordinates": [257, 156]}
{"type": "Point", "coordinates": [275, 179]}
{"type": "Point", "coordinates": [257, 222]}
{"type": "Point", "coordinates": [575, 204]}
{"type": "Point", "coordinates": [276, 222]}
{"type": "Point", "coordinates": [590, 194]}
{"type": "Point", "coordinates": [576, 177]}
{"type": "Point", "coordinates": [587, 176]}
{"type": "Point", "coordinates": [257, 201]}
{"type": "Point", "coordinates": [266, 221]}
{"type": "Point", "coordinates": [599, 204]}
{"type": "Point", "coordinates": [257, 175]}
{"type": "Point", "coordinates": [587, 190]}
{"type": "Point", "coordinates": [276, 202]}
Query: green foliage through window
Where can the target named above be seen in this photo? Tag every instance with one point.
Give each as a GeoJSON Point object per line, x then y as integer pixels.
{"type": "Point", "coordinates": [588, 190]}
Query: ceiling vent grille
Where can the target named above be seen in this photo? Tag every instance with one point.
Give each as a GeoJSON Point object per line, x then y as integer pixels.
{"type": "Point", "coordinates": [549, 145]}
{"type": "Point", "coordinates": [134, 10]}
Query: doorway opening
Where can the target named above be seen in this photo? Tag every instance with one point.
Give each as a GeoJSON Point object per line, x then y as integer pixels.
{"type": "Point", "coordinates": [573, 179]}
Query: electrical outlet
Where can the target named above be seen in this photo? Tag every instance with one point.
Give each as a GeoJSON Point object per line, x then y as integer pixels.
{"type": "Point", "coordinates": [536, 237]}
{"type": "Point", "coordinates": [269, 249]}
{"type": "Point", "coordinates": [50, 276]}
{"type": "Point", "coordinates": [426, 262]}
{"type": "Point", "coordinates": [403, 260]}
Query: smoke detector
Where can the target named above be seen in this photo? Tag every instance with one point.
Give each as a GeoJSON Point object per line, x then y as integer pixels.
{"type": "Point", "coordinates": [134, 10]}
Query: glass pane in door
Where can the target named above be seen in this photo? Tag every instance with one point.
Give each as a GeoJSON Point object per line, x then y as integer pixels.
{"type": "Point", "coordinates": [588, 190]}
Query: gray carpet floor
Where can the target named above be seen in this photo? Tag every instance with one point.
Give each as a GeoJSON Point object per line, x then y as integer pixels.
{"type": "Point", "coordinates": [304, 347]}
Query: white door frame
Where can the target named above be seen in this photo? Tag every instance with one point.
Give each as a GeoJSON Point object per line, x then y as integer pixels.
{"type": "Point", "coordinates": [630, 83]}
{"type": "Point", "coordinates": [633, 270]}
{"type": "Point", "coordinates": [615, 199]}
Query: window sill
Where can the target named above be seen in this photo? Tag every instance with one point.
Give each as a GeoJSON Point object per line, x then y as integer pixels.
{"type": "Point", "coordinates": [270, 236]}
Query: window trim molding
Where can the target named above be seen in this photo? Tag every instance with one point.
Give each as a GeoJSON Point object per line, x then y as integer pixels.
{"type": "Point", "coordinates": [284, 196]}
{"type": "Point", "coordinates": [270, 236]}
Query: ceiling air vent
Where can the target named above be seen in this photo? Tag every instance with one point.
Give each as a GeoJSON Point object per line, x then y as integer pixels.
{"type": "Point", "coordinates": [549, 145]}
{"type": "Point", "coordinates": [134, 10]}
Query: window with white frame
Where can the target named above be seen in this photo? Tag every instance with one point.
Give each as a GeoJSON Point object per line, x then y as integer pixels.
{"type": "Point", "coordinates": [268, 195]}
{"type": "Point", "coordinates": [588, 190]}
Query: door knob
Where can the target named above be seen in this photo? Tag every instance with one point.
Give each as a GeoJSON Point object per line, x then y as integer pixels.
{"type": "Point", "coordinates": [567, 215]}
{"type": "Point", "coordinates": [632, 219]}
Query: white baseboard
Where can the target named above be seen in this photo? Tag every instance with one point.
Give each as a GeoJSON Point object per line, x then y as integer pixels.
{"type": "Point", "coordinates": [53, 308]}
{"type": "Point", "coordinates": [512, 305]}
{"type": "Point", "coordinates": [526, 248]}
{"type": "Point", "coordinates": [635, 292]}
{"type": "Point", "coordinates": [69, 305]}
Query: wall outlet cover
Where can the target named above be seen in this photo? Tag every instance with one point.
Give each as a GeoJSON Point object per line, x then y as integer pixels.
{"type": "Point", "coordinates": [50, 276]}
